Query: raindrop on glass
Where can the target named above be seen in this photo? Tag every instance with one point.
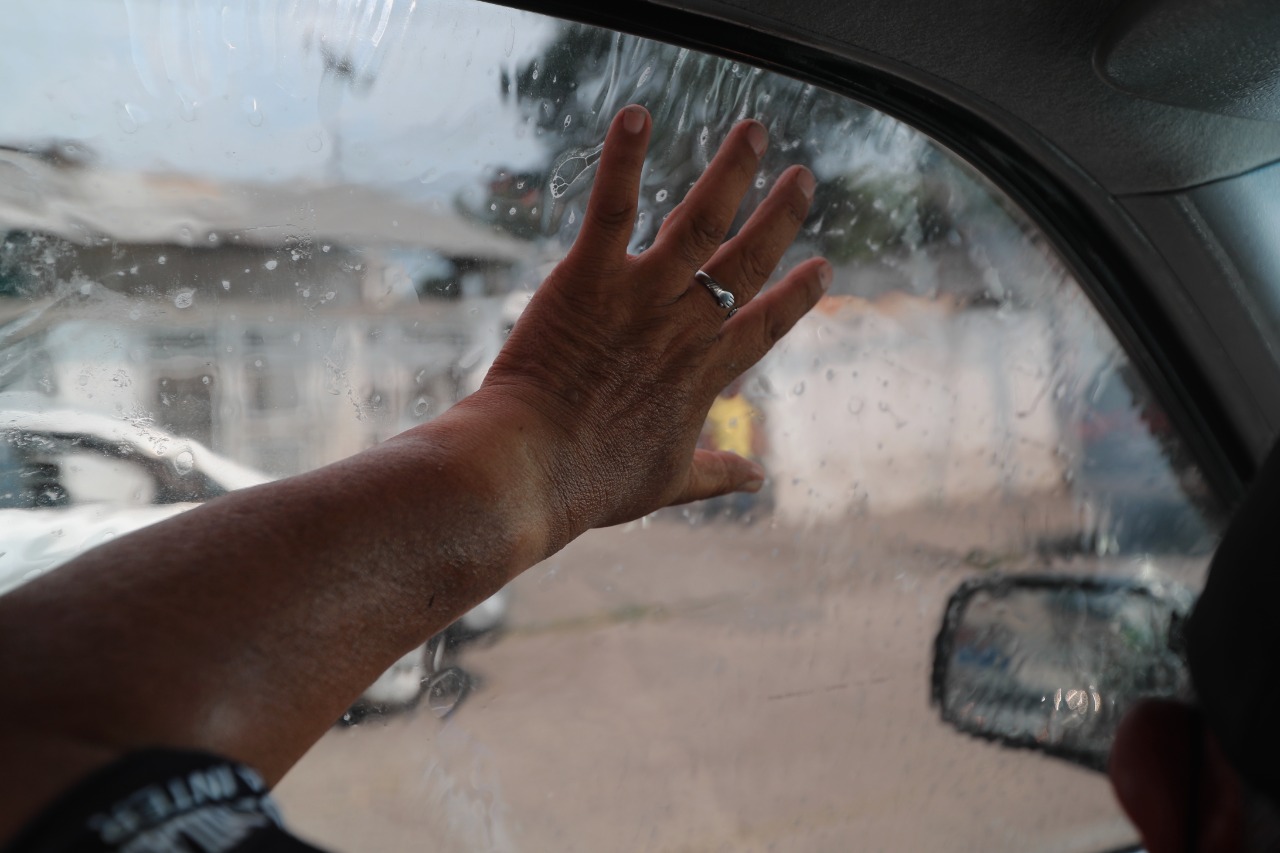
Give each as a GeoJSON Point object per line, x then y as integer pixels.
{"type": "Point", "coordinates": [129, 116]}
{"type": "Point", "coordinates": [251, 109]}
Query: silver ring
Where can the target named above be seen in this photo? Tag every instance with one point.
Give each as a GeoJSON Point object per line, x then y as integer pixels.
{"type": "Point", "coordinates": [723, 297]}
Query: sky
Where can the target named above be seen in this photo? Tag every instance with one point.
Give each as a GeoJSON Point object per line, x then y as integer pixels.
{"type": "Point", "coordinates": [240, 91]}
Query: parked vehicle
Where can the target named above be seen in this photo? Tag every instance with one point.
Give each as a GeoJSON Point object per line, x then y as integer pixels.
{"type": "Point", "coordinates": [70, 480]}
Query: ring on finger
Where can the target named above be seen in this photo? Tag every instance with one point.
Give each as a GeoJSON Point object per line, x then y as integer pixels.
{"type": "Point", "coordinates": [722, 296]}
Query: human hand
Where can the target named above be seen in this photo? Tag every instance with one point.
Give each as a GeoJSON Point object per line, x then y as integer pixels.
{"type": "Point", "coordinates": [617, 358]}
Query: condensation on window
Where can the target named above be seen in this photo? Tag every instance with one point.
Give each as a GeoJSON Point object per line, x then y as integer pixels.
{"type": "Point", "coordinates": [240, 241]}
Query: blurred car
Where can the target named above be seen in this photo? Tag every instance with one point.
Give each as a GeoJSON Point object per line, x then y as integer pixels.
{"type": "Point", "coordinates": [71, 480]}
{"type": "Point", "coordinates": [1140, 491]}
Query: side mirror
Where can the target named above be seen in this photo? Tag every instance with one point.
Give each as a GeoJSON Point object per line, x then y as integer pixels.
{"type": "Point", "coordinates": [1052, 663]}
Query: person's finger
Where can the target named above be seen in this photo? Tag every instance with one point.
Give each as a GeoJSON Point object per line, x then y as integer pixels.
{"type": "Point", "coordinates": [693, 231]}
{"type": "Point", "coordinates": [610, 217]}
{"type": "Point", "coordinates": [753, 331]}
{"type": "Point", "coordinates": [719, 472]}
{"type": "Point", "coordinates": [744, 264]}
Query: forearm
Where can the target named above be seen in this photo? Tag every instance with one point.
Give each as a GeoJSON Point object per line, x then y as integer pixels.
{"type": "Point", "coordinates": [277, 603]}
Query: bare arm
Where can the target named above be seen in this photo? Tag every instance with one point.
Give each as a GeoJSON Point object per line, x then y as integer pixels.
{"type": "Point", "coordinates": [246, 626]}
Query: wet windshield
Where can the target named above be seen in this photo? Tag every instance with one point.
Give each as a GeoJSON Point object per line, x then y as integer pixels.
{"type": "Point", "coordinates": [241, 241]}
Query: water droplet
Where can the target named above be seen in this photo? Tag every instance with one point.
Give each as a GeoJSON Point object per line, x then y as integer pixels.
{"type": "Point", "coordinates": [226, 285]}
{"type": "Point", "coordinates": [205, 379]}
{"type": "Point", "coordinates": [326, 247]}
{"type": "Point", "coordinates": [315, 142]}
{"type": "Point", "coordinates": [660, 195]}
{"type": "Point", "coordinates": [251, 108]}
{"type": "Point", "coordinates": [183, 298]}
{"type": "Point", "coordinates": [429, 176]}
{"type": "Point", "coordinates": [799, 389]}
{"type": "Point", "coordinates": [271, 264]}
{"type": "Point", "coordinates": [760, 182]}
{"type": "Point", "coordinates": [184, 462]}
{"type": "Point", "coordinates": [161, 259]}
{"type": "Point", "coordinates": [422, 407]}
{"type": "Point", "coordinates": [130, 116]}
{"type": "Point", "coordinates": [571, 168]}
{"type": "Point", "coordinates": [568, 120]}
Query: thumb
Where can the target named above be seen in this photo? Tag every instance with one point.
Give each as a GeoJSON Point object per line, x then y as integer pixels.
{"type": "Point", "coordinates": [719, 472]}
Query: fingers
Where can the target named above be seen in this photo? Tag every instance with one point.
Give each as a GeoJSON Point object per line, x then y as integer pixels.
{"type": "Point", "coordinates": [719, 472]}
{"type": "Point", "coordinates": [693, 231]}
{"type": "Point", "coordinates": [745, 263]}
{"type": "Point", "coordinates": [754, 330]}
{"type": "Point", "coordinates": [611, 211]}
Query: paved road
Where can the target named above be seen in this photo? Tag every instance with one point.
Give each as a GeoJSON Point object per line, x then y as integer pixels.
{"type": "Point", "coordinates": [719, 687]}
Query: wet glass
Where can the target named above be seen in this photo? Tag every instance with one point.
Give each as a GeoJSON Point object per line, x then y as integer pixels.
{"type": "Point", "coordinates": [239, 241]}
{"type": "Point", "coordinates": [1054, 663]}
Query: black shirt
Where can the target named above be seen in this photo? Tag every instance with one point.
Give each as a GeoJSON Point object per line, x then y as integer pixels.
{"type": "Point", "coordinates": [163, 800]}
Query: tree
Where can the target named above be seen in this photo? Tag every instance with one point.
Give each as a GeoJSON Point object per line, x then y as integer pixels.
{"type": "Point", "coordinates": [882, 187]}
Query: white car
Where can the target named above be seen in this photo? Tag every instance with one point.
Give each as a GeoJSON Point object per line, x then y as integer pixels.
{"type": "Point", "coordinates": [71, 480]}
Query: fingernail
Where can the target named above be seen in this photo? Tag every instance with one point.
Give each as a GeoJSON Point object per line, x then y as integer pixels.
{"type": "Point", "coordinates": [753, 485]}
{"type": "Point", "coordinates": [825, 275]}
{"type": "Point", "coordinates": [633, 119]}
{"type": "Point", "coordinates": [807, 183]}
{"type": "Point", "coordinates": [759, 138]}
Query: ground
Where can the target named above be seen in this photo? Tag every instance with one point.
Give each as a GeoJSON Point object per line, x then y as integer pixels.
{"type": "Point", "coordinates": [719, 686]}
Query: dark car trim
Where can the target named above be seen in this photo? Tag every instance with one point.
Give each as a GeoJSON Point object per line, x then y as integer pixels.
{"type": "Point", "coordinates": [1074, 225]}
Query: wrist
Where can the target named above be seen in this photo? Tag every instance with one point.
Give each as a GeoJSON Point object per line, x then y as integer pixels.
{"type": "Point", "coordinates": [492, 453]}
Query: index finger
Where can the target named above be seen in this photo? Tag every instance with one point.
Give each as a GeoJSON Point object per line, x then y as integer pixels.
{"type": "Point", "coordinates": [610, 217]}
{"type": "Point", "coordinates": [694, 230]}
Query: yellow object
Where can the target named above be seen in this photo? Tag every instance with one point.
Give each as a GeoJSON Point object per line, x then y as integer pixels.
{"type": "Point", "coordinates": [732, 420]}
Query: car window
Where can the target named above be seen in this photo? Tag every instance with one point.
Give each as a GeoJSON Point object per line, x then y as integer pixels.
{"type": "Point", "coordinates": [253, 239]}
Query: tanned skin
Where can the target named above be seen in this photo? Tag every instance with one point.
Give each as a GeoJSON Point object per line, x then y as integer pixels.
{"type": "Point", "coordinates": [245, 627]}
